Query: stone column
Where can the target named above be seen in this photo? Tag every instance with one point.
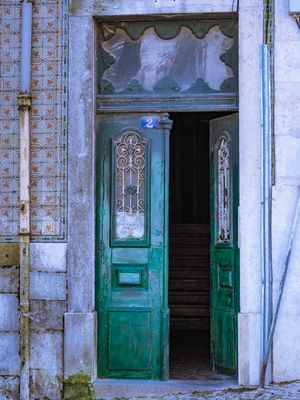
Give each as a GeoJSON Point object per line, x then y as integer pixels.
{"type": "Point", "coordinates": [249, 321]}
{"type": "Point", "coordinates": [80, 320]}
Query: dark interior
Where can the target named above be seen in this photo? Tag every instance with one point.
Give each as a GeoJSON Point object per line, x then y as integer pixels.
{"type": "Point", "coordinates": [189, 274]}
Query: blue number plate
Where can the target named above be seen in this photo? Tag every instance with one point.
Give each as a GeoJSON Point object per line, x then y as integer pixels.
{"type": "Point", "coordinates": [150, 122]}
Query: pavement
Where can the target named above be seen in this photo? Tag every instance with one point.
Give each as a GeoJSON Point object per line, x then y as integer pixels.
{"type": "Point", "coordinates": [289, 391]}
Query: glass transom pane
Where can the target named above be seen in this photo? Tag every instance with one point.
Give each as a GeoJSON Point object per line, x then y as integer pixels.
{"type": "Point", "coordinates": [183, 59]}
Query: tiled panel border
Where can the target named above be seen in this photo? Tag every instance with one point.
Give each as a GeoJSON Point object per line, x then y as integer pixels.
{"type": "Point", "coordinates": [48, 121]}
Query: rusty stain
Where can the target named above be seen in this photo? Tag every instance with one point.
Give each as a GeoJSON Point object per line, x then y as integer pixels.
{"type": "Point", "coordinates": [9, 254]}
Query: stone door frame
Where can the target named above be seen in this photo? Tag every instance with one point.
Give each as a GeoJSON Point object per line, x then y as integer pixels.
{"type": "Point", "coordinates": [80, 347]}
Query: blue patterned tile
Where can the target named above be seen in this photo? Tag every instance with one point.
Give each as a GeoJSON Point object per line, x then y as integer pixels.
{"type": "Point", "coordinates": [48, 142]}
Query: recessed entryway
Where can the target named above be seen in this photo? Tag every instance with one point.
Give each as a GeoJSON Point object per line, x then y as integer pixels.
{"type": "Point", "coordinates": [189, 247]}
{"type": "Point", "coordinates": [148, 68]}
{"type": "Point", "coordinates": [204, 259]}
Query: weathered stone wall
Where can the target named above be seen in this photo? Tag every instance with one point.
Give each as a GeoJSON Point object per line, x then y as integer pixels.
{"type": "Point", "coordinates": [9, 322]}
{"type": "Point", "coordinates": [48, 289]}
{"type": "Point", "coordinates": [48, 297]}
{"type": "Point", "coordinates": [48, 294]}
{"type": "Point", "coordinates": [286, 352]}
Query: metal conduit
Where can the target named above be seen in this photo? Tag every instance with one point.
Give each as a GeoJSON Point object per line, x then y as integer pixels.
{"type": "Point", "coordinates": [266, 207]}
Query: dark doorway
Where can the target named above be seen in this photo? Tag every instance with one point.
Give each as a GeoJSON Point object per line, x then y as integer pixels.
{"type": "Point", "coordinates": [189, 246]}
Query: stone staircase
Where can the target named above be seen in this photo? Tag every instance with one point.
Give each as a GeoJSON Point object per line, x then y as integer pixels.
{"type": "Point", "coordinates": [189, 283]}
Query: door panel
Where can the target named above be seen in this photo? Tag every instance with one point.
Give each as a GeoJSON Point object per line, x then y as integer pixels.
{"type": "Point", "coordinates": [224, 242]}
{"type": "Point", "coordinates": [126, 349]}
{"type": "Point", "coordinates": [132, 179]}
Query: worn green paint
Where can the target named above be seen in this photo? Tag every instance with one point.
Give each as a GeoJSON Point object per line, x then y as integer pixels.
{"type": "Point", "coordinates": [224, 256]}
{"type": "Point", "coordinates": [133, 319]}
{"type": "Point", "coordinates": [163, 102]}
{"type": "Point", "coordinates": [169, 29]}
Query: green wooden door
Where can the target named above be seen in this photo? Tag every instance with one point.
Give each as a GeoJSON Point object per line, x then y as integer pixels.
{"type": "Point", "coordinates": [224, 203]}
{"type": "Point", "coordinates": [132, 244]}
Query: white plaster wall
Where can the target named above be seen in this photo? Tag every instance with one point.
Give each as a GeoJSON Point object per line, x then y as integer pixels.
{"type": "Point", "coordinates": [286, 348]}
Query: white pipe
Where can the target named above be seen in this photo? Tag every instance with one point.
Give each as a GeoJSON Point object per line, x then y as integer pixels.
{"type": "Point", "coordinates": [24, 110]}
{"type": "Point", "coordinates": [26, 35]}
{"type": "Point", "coordinates": [24, 101]}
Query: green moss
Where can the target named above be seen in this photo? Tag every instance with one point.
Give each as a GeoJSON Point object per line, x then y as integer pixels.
{"type": "Point", "coordinates": [79, 387]}
{"type": "Point", "coordinates": [79, 378]}
{"type": "Point", "coordinates": [224, 391]}
{"type": "Point", "coordinates": [241, 389]}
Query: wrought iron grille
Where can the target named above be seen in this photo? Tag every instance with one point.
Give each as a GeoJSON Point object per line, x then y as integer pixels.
{"type": "Point", "coordinates": [223, 191]}
{"type": "Point", "coordinates": [130, 162]}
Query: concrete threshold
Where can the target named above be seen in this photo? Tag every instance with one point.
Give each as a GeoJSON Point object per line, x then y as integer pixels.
{"type": "Point", "coordinates": [109, 389]}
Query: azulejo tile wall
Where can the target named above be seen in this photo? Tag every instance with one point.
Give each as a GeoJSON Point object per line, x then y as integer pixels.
{"type": "Point", "coordinates": [48, 119]}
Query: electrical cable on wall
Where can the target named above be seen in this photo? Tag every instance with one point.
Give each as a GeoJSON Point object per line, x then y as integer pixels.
{"type": "Point", "coordinates": [297, 19]}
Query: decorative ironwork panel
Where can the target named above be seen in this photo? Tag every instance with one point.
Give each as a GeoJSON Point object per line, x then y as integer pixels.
{"type": "Point", "coordinates": [170, 56]}
{"type": "Point", "coordinates": [130, 163]}
{"type": "Point", "coordinates": [223, 192]}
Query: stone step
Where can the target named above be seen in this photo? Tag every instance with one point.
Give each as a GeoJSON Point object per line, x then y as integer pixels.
{"type": "Point", "coordinates": [188, 251]}
{"type": "Point", "coordinates": [179, 310]}
{"type": "Point", "coordinates": [201, 323]}
{"type": "Point", "coordinates": [187, 262]}
{"type": "Point", "coordinates": [188, 273]}
{"type": "Point", "coordinates": [198, 297]}
{"type": "Point", "coordinates": [188, 285]}
{"type": "Point", "coordinates": [189, 245]}
{"type": "Point", "coordinates": [189, 242]}
{"type": "Point", "coordinates": [189, 276]}
{"type": "Point", "coordinates": [188, 228]}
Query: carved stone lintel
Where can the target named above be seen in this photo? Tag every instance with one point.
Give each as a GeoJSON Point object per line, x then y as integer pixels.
{"type": "Point", "coordinates": [24, 101]}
